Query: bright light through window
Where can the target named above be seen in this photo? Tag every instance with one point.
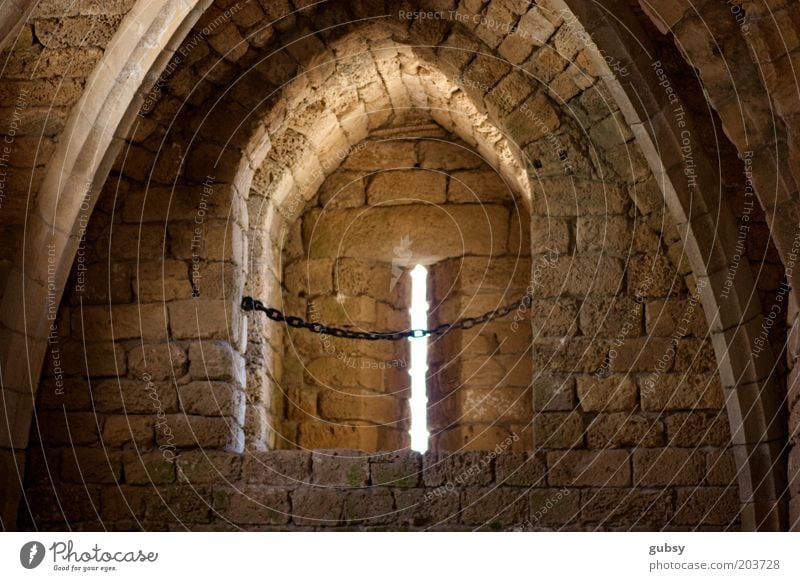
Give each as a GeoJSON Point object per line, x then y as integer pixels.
{"type": "Point", "coordinates": [419, 360]}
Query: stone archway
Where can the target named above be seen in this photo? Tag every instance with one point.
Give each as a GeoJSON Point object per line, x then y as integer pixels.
{"type": "Point", "coordinates": [97, 141]}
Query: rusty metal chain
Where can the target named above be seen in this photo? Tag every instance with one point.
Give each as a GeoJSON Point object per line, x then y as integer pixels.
{"type": "Point", "coordinates": [251, 304]}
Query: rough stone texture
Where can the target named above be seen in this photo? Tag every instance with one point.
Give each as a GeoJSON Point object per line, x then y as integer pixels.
{"type": "Point", "coordinates": [589, 217]}
{"type": "Point", "coordinates": [358, 386]}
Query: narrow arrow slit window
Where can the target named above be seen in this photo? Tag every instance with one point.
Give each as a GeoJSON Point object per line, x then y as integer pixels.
{"type": "Point", "coordinates": [419, 360]}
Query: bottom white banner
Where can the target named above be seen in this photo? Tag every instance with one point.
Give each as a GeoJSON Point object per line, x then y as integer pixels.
{"type": "Point", "coordinates": [390, 556]}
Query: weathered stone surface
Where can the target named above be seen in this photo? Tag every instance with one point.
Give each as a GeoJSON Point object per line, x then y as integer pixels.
{"type": "Point", "coordinates": [493, 506]}
{"type": "Point", "coordinates": [691, 429]}
{"type": "Point", "coordinates": [417, 507]}
{"type": "Point", "coordinates": [215, 360]}
{"type": "Point", "coordinates": [212, 398]}
{"type": "Point", "coordinates": [683, 392]}
{"type": "Point", "coordinates": [135, 396]}
{"type": "Point", "coordinates": [668, 467]}
{"type": "Point", "coordinates": [500, 404]}
{"type": "Point", "coordinates": [553, 393]}
{"type": "Point", "coordinates": [611, 394]}
{"type": "Point", "coordinates": [577, 355]}
{"type": "Point", "coordinates": [121, 322]}
{"type": "Point", "coordinates": [667, 317]}
{"type": "Point", "coordinates": [554, 506]}
{"type": "Point", "coordinates": [519, 469]}
{"type": "Point", "coordinates": [374, 155]}
{"type": "Point", "coordinates": [91, 465]}
{"type": "Point", "coordinates": [586, 468]}
{"type": "Point", "coordinates": [623, 430]}
{"type": "Point", "coordinates": [198, 431]}
{"type": "Point", "coordinates": [339, 467]}
{"type": "Point", "coordinates": [706, 506]}
{"type": "Point", "coordinates": [478, 186]}
{"type": "Point", "coordinates": [581, 275]}
{"type": "Point", "coordinates": [359, 405]}
{"type": "Point", "coordinates": [635, 507]}
{"type": "Point", "coordinates": [468, 468]}
{"type": "Point", "coordinates": [643, 354]}
{"type": "Point", "coordinates": [618, 317]}
{"type": "Point", "coordinates": [721, 467]}
{"type": "Point", "coordinates": [256, 505]}
{"type": "Point", "coordinates": [277, 467]}
{"type": "Point", "coordinates": [149, 468]}
{"type": "Point", "coordinates": [157, 362]}
{"type": "Point", "coordinates": [369, 506]}
{"type": "Point", "coordinates": [559, 197]}
{"type": "Point", "coordinates": [317, 506]}
{"type": "Point", "coordinates": [558, 430]}
{"type": "Point", "coordinates": [343, 190]}
{"type": "Point", "coordinates": [398, 469]}
{"type": "Point", "coordinates": [316, 121]}
{"type": "Point", "coordinates": [125, 429]}
{"type": "Point", "coordinates": [435, 234]}
{"type": "Point", "coordinates": [403, 187]}
{"type": "Point", "coordinates": [97, 359]}
{"type": "Point", "coordinates": [447, 156]}
{"type": "Point", "coordinates": [209, 466]}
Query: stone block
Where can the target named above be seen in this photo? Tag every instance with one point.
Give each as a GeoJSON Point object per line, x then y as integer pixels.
{"type": "Point", "coordinates": [520, 469]}
{"type": "Point", "coordinates": [610, 394]}
{"type": "Point", "coordinates": [373, 156]}
{"type": "Point", "coordinates": [623, 430]}
{"type": "Point", "coordinates": [690, 429]}
{"type": "Point", "coordinates": [126, 429]}
{"type": "Point", "coordinates": [434, 234]}
{"type": "Point", "coordinates": [403, 187]}
{"type": "Point", "coordinates": [277, 467]}
{"type": "Point", "coordinates": [348, 468]}
{"type": "Point", "coordinates": [640, 508]}
{"type": "Point", "coordinates": [488, 507]}
{"type": "Point", "coordinates": [580, 276]}
{"type": "Point", "coordinates": [134, 396]}
{"type": "Point", "coordinates": [448, 156]}
{"type": "Point", "coordinates": [417, 507]}
{"type": "Point", "coordinates": [216, 360]}
{"type": "Point", "coordinates": [149, 467]}
{"type": "Point", "coordinates": [343, 189]}
{"type": "Point", "coordinates": [158, 362]}
{"type": "Point", "coordinates": [91, 465]}
{"type": "Point", "coordinates": [683, 392]}
{"type": "Point", "coordinates": [120, 322]}
{"type": "Point", "coordinates": [553, 393]}
{"type": "Point", "coordinates": [398, 469]}
{"type": "Point", "coordinates": [369, 506]}
{"type": "Point", "coordinates": [212, 398]}
{"type": "Point", "coordinates": [716, 506]}
{"type": "Point", "coordinates": [315, 506]}
{"type": "Point", "coordinates": [458, 469]}
{"type": "Point", "coordinates": [551, 506]}
{"type": "Point", "coordinates": [668, 467]}
{"type": "Point", "coordinates": [606, 468]}
{"type": "Point", "coordinates": [478, 186]}
{"type": "Point", "coordinates": [558, 430]}
{"type": "Point", "coordinates": [253, 505]}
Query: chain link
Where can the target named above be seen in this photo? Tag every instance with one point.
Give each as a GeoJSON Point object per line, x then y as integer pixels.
{"type": "Point", "coordinates": [251, 304]}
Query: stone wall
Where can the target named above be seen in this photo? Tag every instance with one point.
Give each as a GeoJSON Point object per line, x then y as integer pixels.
{"type": "Point", "coordinates": [394, 203]}
{"type": "Point", "coordinates": [191, 347]}
{"type": "Point", "coordinates": [350, 490]}
{"type": "Point", "coordinates": [760, 41]}
{"type": "Point", "coordinates": [45, 69]}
